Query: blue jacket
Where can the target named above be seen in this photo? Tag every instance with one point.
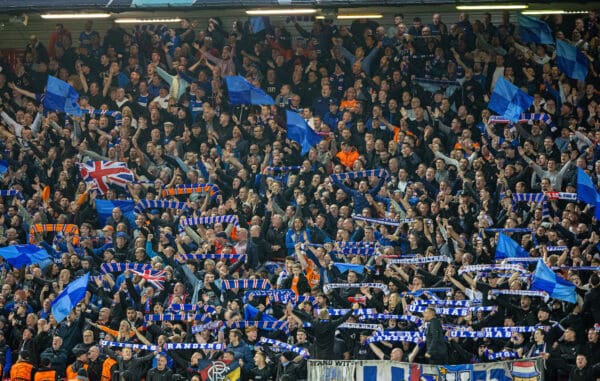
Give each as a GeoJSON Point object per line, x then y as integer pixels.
{"type": "Point", "coordinates": [360, 201]}
{"type": "Point", "coordinates": [292, 238]}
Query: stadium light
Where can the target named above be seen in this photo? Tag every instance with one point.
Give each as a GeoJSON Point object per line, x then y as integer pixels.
{"type": "Point", "coordinates": [143, 21]}
{"type": "Point", "coordinates": [282, 12]}
{"type": "Point", "coordinates": [64, 16]}
{"type": "Point", "coordinates": [491, 7]}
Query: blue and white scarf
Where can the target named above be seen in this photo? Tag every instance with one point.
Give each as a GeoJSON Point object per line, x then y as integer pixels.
{"type": "Point", "coordinates": [264, 325]}
{"type": "Point", "coordinates": [117, 344]}
{"type": "Point", "coordinates": [561, 196]}
{"type": "Point", "coordinates": [347, 250]}
{"type": "Point", "coordinates": [541, 294]}
{"type": "Point", "coordinates": [362, 326]}
{"type": "Point", "coordinates": [525, 118]}
{"type": "Point", "coordinates": [419, 260]}
{"type": "Point", "coordinates": [464, 334]}
{"type": "Point", "coordinates": [106, 268]}
{"type": "Point", "coordinates": [520, 259]}
{"type": "Point", "coordinates": [262, 284]}
{"type": "Point", "coordinates": [443, 302]}
{"type": "Point", "coordinates": [208, 346]}
{"type": "Point", "coordinates": [556, 248]}
{"type": "Point", "coordinates": [156, 204]}
{"type": "Point", "coordinates": [331, 286]}
{"type": "Point", "coordinates": [357, 244]}
{"type": "Point", "coordinates": [230, 219]}
{"type": "Point", "coordinates": [343, 311]}
{"type": "Point", "coordinates": [278, 296]}
{"type": "Point", "coordinates": [217, 257]}
{"type": "Point", "coordinates": [212, 326]}
{"type": "Point", "coordinates": [285, 346]}
{"type": "Point", "coordinates": [492, 267]}
{"type": "Point", "coordinates": [432, 290]}
{"type": "Point", "coordinates": [383, 221]}
{"type": "Point", "coordinates": [519, 329]}
{"type": "Point", "coordinates": [11, 193]}
{"type": "Point", "coordinates": [192, 307]}
{"type": "Point", "coordinates": [284, 168]}
{"type": "Point", "coordinates": [539, 198]}
{"type": "Point", "coordinates": [360, 174]}
{"type": "Point", "coordinates": [177, 317]}
{"type": "Point", "coordinates": [449, 311]}
{"type": "Point", "coordinates": [502, 355]}
{"type": "Point", "coordinates": [411, 318]}
{"type": "Point", "coordinates": [577, 268]}
{"type": "Point", "coordinates": [509, 230]}
{"type": "Point", "coordinates": [395, 336]}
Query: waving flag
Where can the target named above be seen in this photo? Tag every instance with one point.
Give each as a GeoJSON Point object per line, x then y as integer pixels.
{"type": "Point", "coordinates": [508, 100]}
{"type": "Point", "coordinates": [259, 23]}
{"type": "Point", "coordinates": [532, 29]}
{"type": "Point", "coordinates": [571, 60]}
{"type": "Point", "coordinates": [69, 297]}
{"type": "Point", "coordinates": [60, 96]}
{"type": "Point", "coordinates": [508, 248]}
{"type": "Point", "coordinates": [545, 279]}
{"type": "Point", "coordinates": [104, 173]}
{"type": "Point", "coordinates": [23, 255]}
{"type": "Point", "coordinates": [250, 313]}
{"type": "Point", "coordinates": [104, 209]}
{"type": "Point", "coordinates": [343, 267]}
{"type": "Point", "coordinates": [586, 191]}
{"type": "Point", "coordinates": [242, 92]}
{"type": "Point", "coordinates": [299, 131]}
{"type": "Point", "coordinates": [153, 277]}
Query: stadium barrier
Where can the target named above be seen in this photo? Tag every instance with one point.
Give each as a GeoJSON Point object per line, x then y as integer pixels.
{"type": "Point", "coordinates": [530, 369]}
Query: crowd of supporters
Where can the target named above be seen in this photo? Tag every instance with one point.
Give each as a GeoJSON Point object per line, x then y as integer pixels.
{"type": "Point", "coordinates": [401, 106]}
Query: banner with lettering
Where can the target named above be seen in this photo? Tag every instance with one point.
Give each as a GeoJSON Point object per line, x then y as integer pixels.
{"type": "Point", "coordinates": [341, 370]}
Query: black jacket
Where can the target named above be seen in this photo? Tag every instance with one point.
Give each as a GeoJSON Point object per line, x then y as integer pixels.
{"type": "Point", "coordinates": [324, 332]}
{"type": "Point", "coordinates": [159, 375]}
{"type": "Point", "coordinates": [302, 285]}
{"type": "Point", "coordinates": [434, 339]}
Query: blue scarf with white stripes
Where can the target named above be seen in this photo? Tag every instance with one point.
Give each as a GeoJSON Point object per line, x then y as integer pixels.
{"type": "Point", "coordinates": [360, 174]}
{"type": "Point", "coordinates": [156, 204]}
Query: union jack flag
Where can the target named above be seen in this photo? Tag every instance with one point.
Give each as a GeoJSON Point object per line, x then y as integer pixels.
{"type": "Point", "coordinates": [155, 278]}
{"type": "Point", "coordinates": [101, 174]}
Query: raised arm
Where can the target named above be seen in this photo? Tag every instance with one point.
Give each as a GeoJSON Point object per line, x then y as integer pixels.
{"type": "Point", "coordinates": [164, 75]}
{"type": "Point", "coordinates": [28, 94]}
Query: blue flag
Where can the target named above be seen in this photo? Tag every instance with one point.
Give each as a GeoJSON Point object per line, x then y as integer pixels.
{"type": "Point", "coordinates": [532, 29]}
{"type": "Point", "coordinates": [508, 248]}
{"type": "Point", "coordinates": [586, 191]}
{"type": "Point", "coordinates": [242, 92]}
{"type": "Point", "coordinates": [571, 60]}
{"type": "Point", "coordinates": [299, 131]}
{"type": "Point", "coordinates": [259, 23]}
{"type": "Point", "coordinates": [343, 267]}
{"type": "Point", "coordinates": [23, 255]}
{"type": "Point", "coordinates": [66, 301]}
{"type": "Point", "coordinates": [105, 207]}
{"type": "Point", "coordinates": [509, 101]}
{"type": "Point", "coordinates": [60, 96]}
{"type": "Point", "coordinates": [250, 312]}
{"type": "Point", "coordinates": [545, 279]}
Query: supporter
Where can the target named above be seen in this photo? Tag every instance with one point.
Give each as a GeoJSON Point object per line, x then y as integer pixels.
{"type": "Point", "coordinates": [403, 108]}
